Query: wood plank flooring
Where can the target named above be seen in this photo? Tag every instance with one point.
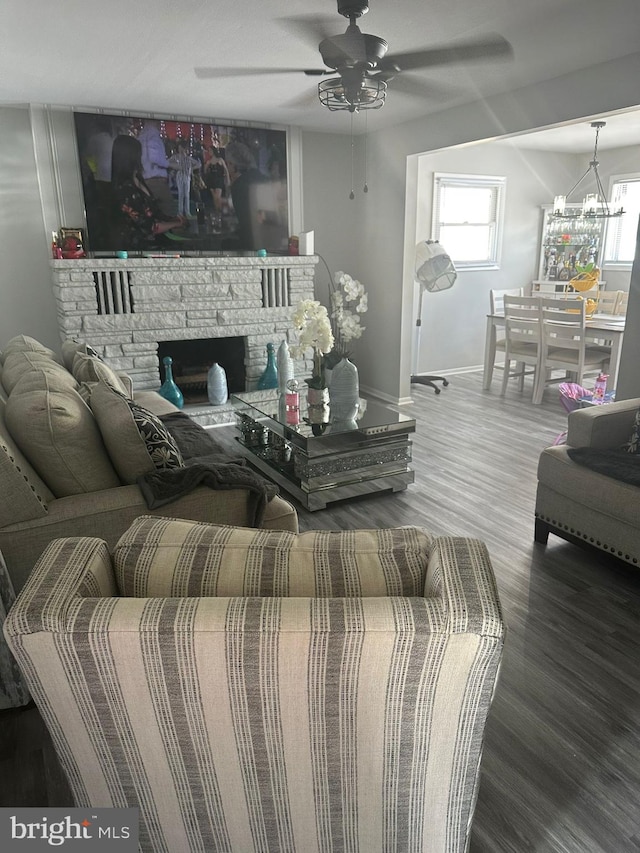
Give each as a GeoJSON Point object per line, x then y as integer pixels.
{"type": "Point", "coordinates": [561, 766]}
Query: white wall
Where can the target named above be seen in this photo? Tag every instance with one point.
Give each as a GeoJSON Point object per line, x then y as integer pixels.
{"type": "Point", "coordinates": [328, 210]}
{"type": "Point", "coordinates": [453, 321]}
{"type": "Point", "coordinates": [629, 375]}
{"type": "Point", "coordinates": [26, 297]}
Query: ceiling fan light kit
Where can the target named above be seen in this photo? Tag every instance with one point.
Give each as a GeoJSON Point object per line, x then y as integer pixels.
{"type": "Point", "coordinates": [338, 93]}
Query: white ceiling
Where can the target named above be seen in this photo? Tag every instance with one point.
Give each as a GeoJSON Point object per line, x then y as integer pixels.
{"type": "Point", "coordinates": [140, 56]}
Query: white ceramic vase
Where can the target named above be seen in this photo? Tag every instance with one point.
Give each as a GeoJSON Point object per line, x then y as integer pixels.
{"type": "Point", "coordinates": [217, 390]}
{"type": "Point", "coordinates": [285, 366]}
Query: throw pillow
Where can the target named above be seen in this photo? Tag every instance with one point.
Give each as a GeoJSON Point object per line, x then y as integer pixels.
{"type": "Point", "coordinates": [16, 364]}
{"type": "Point", "coordinates": [23, 343]}
{"type": "Point", "coordinates": [136, 440]}
{"type": "Point", "coordinates": [170, 557]}
{"type": "Point", "coordinates": [43, 378]}
{"type": "Point", "coordinates": [60, 438]}
{"type": "Point", "coordinates": [87, 368]}
{"type": "Point", "coordinates": [633, 445]}
{"type": "Point", "coordinates": [71, 347]}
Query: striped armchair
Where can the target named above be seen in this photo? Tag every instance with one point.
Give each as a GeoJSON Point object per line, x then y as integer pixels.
{"type": "Point", "coordinates": [253, 690]}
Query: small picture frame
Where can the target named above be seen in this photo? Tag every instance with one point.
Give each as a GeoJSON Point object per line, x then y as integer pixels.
{"type": "Point", "coordinates": [71, 241]}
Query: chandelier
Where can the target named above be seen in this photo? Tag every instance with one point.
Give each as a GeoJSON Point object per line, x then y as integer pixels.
{"type": "Point", "coordinates": [594, 205]}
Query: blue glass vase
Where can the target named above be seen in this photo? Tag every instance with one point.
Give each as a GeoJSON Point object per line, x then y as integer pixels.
{"type": "Point", "coordinates": [169, 390]}
{"type": "Point", "coordinates": [269, 378]}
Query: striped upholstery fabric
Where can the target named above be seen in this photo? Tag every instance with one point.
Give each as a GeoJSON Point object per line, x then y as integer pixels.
{"type": "Point", "coordinates": [168, 557]}
{"type": "Point", "coordinates": [241, 724]}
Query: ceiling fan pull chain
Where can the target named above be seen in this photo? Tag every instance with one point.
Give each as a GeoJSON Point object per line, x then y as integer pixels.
{"type": "Point", "coordinates": [352, 194]}
{"type": "Point", "coordinates": [366, 133]}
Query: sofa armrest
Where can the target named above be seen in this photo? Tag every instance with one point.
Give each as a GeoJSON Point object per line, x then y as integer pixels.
{"type": "Point", "coordinates": [127, 381]}
{"type": "Point", "coordinates": [604, 426]}
{"type": "Point", "coordinates": [460, 572]}
{"type": "Point", "coordinates": [69, 568]}
{"type": "Point", "coordinates": [108, 513]}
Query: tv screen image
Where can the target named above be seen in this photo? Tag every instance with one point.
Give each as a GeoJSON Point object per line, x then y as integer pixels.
{"type": "Point", "coordinates": [158, 185]}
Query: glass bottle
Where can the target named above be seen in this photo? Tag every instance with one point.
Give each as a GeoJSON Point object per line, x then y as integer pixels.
{"type": "Point", "coordinates": [169, 390]}
{"type": "Point", "coordinates": [269, 377]}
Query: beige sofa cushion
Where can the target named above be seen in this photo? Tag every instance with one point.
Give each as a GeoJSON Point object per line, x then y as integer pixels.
{"type": "Point", "coordinates": [43, 378]}
{"type": "Point", "coordinates": [16, 364]}
{"type": "Point", "coordinates": [59, 436]}
{"type": "Point", "coordinates": [174, 558]}
{"type": "Point", "coordinates": [23, 343]}
{"type": "Point", "coordinates": [137, 441]}
{"type": "Point", "coordinates": [88, 368]}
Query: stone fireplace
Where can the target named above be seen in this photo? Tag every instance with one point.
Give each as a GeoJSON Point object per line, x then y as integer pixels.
{"type": "Point", "coordinates": [126, 308]}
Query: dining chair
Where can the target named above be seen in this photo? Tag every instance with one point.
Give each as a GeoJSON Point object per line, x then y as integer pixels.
{"type": "Point", "coordinates": [608, 301]}
{"type": "Point", "coordinates": [563, 344]}
{"type": "Point", "coordinates": [496, 303]}
{"type": "Point", "coordinates": [522, 338]}
{"type": "Point", "coordinates": [621, 307]}
{"type": "Point", "coordinates": [496, 298]}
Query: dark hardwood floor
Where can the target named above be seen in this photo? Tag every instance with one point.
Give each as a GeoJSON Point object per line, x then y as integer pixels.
{"type": "Point", "coordinates": [561, 766]}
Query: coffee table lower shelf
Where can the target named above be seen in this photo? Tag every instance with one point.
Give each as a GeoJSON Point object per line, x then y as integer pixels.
{"type": "Point", "coordinates": [316, 498]}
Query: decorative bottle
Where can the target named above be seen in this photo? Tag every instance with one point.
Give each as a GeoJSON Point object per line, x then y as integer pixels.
{"type": "Point", "coordinates": [169, 390]}
{"type": "Point", "coordinates": [285, 367]}
{"type": "Point", "coordinates": [345, 391]}
{"type": "Point", "coordinates": [217, 390]}
{"type": "Point", "coordinates": [269, 378]}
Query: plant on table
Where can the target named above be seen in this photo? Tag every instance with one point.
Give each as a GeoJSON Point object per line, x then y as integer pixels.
{"type": "Point", "coordinates": [313, 327]}
{"type": "Point", "coordinates": [348, 304]}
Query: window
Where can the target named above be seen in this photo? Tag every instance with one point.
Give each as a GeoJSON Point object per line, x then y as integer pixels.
{"type": "Point", "coordinates": [467, 218]}
{"type": "Point", "coordinates": [620, 242]}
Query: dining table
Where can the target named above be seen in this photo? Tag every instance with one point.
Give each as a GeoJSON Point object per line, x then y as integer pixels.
{"type": "Point", "coordinates": [600, 327]}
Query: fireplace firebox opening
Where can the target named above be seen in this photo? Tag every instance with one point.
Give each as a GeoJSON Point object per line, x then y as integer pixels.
{"type": "Point", "coordinates": [193, 358]}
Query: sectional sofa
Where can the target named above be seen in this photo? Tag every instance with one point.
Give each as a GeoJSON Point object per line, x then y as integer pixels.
{"type": "Point", "coordinates": [74, 440]}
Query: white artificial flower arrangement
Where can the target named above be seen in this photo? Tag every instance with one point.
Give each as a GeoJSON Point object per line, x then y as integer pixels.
{"type": "Point", "coordinates": [313, 327]}
{"type": "Point", "coordinates": [349, 301]}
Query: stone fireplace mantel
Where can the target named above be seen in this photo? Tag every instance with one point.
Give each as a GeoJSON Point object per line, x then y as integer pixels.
{"type": "Point", "coordinates": [124, 307]}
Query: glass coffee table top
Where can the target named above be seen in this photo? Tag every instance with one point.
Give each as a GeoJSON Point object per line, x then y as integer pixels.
{"type": "Point", "coordinates": [315, 424]}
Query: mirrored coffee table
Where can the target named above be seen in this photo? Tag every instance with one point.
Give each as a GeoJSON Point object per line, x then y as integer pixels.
{"type": "Point", "coordinates": [318, 460]}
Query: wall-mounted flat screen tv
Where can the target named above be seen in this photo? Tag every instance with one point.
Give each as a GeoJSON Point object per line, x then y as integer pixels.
{"type": "Point", "coordinates": [155, 185]}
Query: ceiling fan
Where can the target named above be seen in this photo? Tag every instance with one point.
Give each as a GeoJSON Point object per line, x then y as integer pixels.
{"type": "Point", "coordinates": [362, 64]}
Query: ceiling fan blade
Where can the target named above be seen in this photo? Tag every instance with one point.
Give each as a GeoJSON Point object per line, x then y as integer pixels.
{"type": "Point", "coordinates": [488, 47]}
{"type": "Point", "coordinates": [214, 73]}
{"type": "Point", "coordinates": [303, 101]}
{"type": "Point", "coordinates": [418, 88]}
{"type": "Point", "coordinates": [309, 29]}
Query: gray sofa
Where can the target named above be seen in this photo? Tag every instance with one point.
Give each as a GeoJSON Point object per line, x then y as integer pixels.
{"type": "Point", "coordinates": [581, 505]}
{"type": "Point", "coordinates": [69, 467]}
